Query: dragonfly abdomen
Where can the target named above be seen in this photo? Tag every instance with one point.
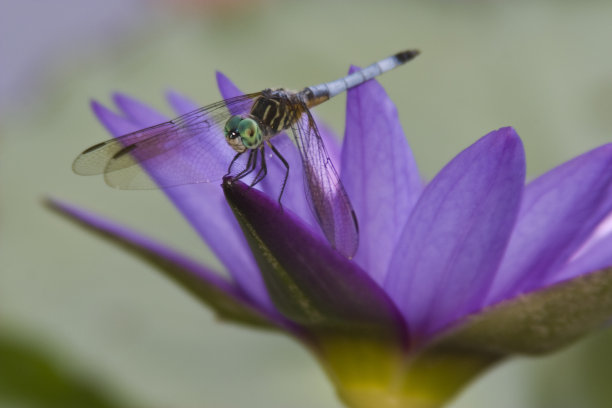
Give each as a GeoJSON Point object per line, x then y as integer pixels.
{"type": "Point", "coordinates": [314, 95]}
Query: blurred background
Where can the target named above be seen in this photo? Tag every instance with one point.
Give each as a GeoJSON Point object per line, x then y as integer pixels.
{"type": "Point", "coordinates": [80, 318]}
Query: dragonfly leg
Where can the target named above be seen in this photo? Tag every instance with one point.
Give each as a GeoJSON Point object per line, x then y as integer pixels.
{"type": "Point", "coordinates": [277, 153]}
{"type": "Point", "coordinates": [263, 171]}
{"type": "Point", "coordinates": [251, 165]}
{"type": "Point", "coordinates": [229, 169]}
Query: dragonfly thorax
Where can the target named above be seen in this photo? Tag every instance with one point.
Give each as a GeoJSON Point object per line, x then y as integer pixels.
{"type": "Point", "coordinates": [272, 112]}
{"type": "Point", "coordinates": [243, 133]}
{"type": "Point", "coordinates": [277, 109]}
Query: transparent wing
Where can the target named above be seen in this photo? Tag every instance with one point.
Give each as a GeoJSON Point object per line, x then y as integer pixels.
{"type": "Point", "coordinates": [188, 149]}
{"type": "Point", "coordinates": [326, 195]}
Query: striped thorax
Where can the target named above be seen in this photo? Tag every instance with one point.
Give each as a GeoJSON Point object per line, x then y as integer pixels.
{"type": "Point", "coordinates": [272, 112]}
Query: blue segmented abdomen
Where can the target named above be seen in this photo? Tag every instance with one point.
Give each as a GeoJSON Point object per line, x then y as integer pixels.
{"type": "Point", "coordinates": [320, 93]}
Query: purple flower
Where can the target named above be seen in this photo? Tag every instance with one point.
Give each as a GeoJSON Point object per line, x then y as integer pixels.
{"type": "Point", "coordinates": [451, 276]}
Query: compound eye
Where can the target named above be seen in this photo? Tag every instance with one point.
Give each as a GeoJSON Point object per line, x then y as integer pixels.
{"type": "Point", "coordinates": [249, 133]}
{"type": "Point", "coordinates": [231, 127]}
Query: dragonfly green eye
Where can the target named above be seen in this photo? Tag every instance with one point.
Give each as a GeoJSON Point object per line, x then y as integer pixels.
{"type": "Point", "coordinates": [249, 133]}
{"type": "Point", "coordinates": [231, 127]}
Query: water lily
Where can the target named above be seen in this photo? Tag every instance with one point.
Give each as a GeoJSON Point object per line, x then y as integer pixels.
{"type": "Point", "coordinates": [451, 276]}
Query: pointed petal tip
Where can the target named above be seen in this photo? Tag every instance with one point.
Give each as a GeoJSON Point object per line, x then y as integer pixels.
{"type": "Point", "coordinates": [222, 80]}
{"type": "Point", "coordinates": [170, 93]}
{"type": "Point", "coordinates": [172, 97]}
{"type": "Point", "coordinates": [64, 208]}
{"type": "Point", "coordinates": [127, 103]}
{"type": "Point", "coordinates": [120, 97]}
{"type": "Point", "coordinates": [115, 123]}
{"type": "Point", "coordinates": [136, 111]}
{"type": "Point", "coordinates": [93, 103]}
{"type": "Point", "coordinates": [50, 202]}
{"type": "Point", "coordinates": [353, 68]}
{"type": "Point", "coordinates": [227, 88]}
{"type": "Point", "coordinates": [505, 138]}
{"type": "Point", "coordinates": [507, 133]}
{"type": "Point", "coordinates": [58, 205]}
{"type": "Point", "coordinates": [97, 108]}
{"type": "Point", "coordinates": [237, 192]}
{"type": "Point", "coordinates": [123, 101]}
{"type": "Point", "coordinates": [180, 103]}
{"type": "Point", "coordinates": [506, 129]}
{"type": "Point", "coordinates": [220, 76]}
{"type": "Point", "coordinates": [232, 188]}
{"type": "Point", "coordinates": [458, 230]}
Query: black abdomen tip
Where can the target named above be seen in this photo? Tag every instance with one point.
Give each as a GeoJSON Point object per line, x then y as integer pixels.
{"type": "Point", "coordinates": [407, 55]}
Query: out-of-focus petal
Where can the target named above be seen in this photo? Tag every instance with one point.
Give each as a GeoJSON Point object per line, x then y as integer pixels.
{"type": "Point", "coordinates": [180, 103]}
{"type": "Point", "coordinates": [229, 302]}
{"type": "Point", "coordinates": [342, 309]}
{"type": "Point", "coordinates": [202, 205]}
{"type": "Point", "coordinates": [136, 111]}
{"type": "Point", "coordinates": [457, 233]}
{"type": "Point", "coordinates": [379, 174]}
{"type": "Point", "coordinates": [560, 210]}
{"type": "Point", "coordinates": [116, 125]}
{"type": "Point", "coordinates": [603, 230]}
{"type": "Point", "coordinates": [597, 257]}
{"type": "Point", "coordinates": [226, 86]}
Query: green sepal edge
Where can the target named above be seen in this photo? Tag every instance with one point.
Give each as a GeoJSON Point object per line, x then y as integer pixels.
{"type": "Point", "coordinates": [227, 307]}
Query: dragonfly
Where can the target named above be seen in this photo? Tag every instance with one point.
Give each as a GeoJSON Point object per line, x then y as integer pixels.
{"type": "Point", "coordinates": [229, 139]}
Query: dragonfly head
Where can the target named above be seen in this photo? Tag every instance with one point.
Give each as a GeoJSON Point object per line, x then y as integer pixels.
{"type": "Point", "coordinates": [242, 133]}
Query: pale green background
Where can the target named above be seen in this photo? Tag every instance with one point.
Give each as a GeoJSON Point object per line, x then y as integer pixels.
{"type": "Point", "coordinates": [544, 67]}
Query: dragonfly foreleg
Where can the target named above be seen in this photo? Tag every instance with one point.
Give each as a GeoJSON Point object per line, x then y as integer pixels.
{"type": "Point", "coordinates": [229, 169]}
{"type": "Point", "coordinates": [286, 164]}
{"type": "Point", "coordinates": [263, 171]}
{"type": "Point", "coordinates": [251, 165]}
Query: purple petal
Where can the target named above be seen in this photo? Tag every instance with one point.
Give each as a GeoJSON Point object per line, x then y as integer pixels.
{"type": "Point", "coordinates": [310, 283]}
{"type": "Point", "coordinates": [560, 210]}
{"type": "Point", "coordinates": [457, 233]}
{"type": "Point", "coordinates": [379, 174]}
{"type": "Point", "coordinates": [596, 258]}
{"type": "Point", "coordinates": [225, 298]}
{"type": "Point", "coordinates": [227, 87]}
{"type": "Point", "coordinates": [331, 141]}
{"type": "Point", "coordinates": [116, 125]}
{"type": "Point", "coordinates": [136, 111]}
{"type": "Point", "coordinates": [202, 205]}
{"type": "Point", "coordinates": [180, 103]}
{"type": "Point", "coordinates": [603, 230]}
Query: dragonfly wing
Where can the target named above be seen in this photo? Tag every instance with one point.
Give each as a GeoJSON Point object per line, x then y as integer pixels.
{"type": "Point", "coordinates": [326, 195]}
{"type": "Point", "coordinates": [188, 149]}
